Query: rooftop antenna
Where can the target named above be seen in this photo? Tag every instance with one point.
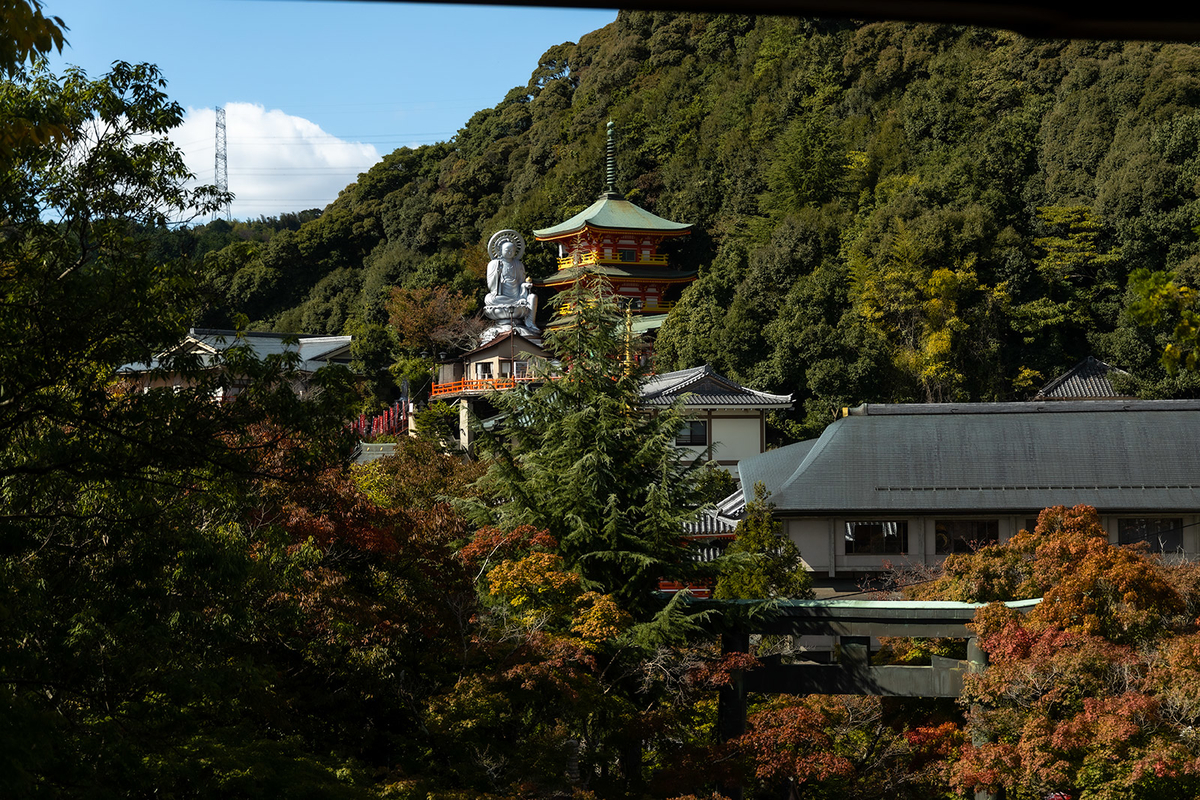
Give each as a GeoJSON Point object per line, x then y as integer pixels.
{"type": "Point", "coordinates": [221, 165]}
{"type": "Point", "coordinates": [611, 170]}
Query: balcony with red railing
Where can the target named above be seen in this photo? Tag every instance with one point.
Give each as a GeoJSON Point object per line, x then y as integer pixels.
{"type": "Point", "coordinates": [479, 385]}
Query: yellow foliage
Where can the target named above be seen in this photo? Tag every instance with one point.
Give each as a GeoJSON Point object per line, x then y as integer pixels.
{"type": "Point", "coordinates": [599, 617]}
{"type": "Point", "coordinates": [537, 580]}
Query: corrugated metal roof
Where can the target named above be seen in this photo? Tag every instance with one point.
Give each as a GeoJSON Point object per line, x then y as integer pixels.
{"type": "Point", "coordinates": [703, 387]}
{"type": "Point", "coordinates": [613, 213]}
{"type": "Point", "coordinates": [1087, 380]}
{"type": "Point", "coordinates": [773, 468]}
{"type": "Point", "coordinates": [1001, 457]}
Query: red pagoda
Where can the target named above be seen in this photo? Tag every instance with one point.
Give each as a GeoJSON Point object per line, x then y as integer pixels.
{"type": "Point", "coordinates": [619, 241]}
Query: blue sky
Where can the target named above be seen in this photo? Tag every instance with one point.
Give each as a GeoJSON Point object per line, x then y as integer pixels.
{"type": "Point", "coordinates": [317, 90]}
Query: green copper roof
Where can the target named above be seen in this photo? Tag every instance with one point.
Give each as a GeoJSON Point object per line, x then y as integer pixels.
{"type": "Point", "coordinates": [614, 272]}
{"type": "Point", "coordinates": [614, 212]}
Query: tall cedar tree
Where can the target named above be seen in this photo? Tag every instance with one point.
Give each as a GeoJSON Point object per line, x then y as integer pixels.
{"type": "Point", "coordinates": [577, 455]}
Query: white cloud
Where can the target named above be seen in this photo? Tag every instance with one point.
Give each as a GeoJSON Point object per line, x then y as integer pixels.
{"type": "Point", "coordinates": [277, 162]}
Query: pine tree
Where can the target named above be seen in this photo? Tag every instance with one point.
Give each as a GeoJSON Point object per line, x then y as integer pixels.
{"type": "Point", "coordinates": [577, 455]}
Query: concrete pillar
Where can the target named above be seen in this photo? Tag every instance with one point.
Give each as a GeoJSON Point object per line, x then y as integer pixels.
{"type": "Point", "coordinates": [466, 436]}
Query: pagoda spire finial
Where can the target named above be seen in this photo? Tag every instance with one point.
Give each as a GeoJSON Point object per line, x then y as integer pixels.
{"type": "Point", "coordinates": [611, 164]}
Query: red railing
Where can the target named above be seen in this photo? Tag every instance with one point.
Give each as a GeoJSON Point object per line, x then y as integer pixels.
{"type": "Point", "coordinates": [479, 385]}
{"type": "Point", "coordinates": [700, 591]}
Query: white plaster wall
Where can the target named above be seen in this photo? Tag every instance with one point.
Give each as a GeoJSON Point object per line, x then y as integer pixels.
{"type": "Point", "coordinates": [811, 536]}
{"type": "Point", "coordinates": [735, 439]}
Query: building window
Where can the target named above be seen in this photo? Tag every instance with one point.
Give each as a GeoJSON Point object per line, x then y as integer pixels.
{"type": "Point", "coordinates": [876, 538]}
{"type": "Point", "coordinates": [483, 370]}
{"type": "Point", "coordinates": [1163, 534]}
{"type": "Point", "coordinates": [521, 369]}
{"type": "Point", "coordinates": [694, 433]}
{"type": "Point", "coordinates": [965, 535]}
{"type": "Point", "coordinates": [627, 255]}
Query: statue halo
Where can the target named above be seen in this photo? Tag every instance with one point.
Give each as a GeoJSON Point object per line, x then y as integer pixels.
{"type": "Point", "coordinates": [506, 235]}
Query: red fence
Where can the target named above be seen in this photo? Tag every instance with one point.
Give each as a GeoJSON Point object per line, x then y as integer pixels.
{"type": "Point", "coordinates": [393, 420]}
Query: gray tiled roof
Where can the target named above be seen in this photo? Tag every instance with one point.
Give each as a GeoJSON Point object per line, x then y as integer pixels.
{"type": "Point", "coordinates": [702, 387]}
{"type": "Point", "coordinates": [1135, 456]}
{"type": "Point", "coordinates": [721, 519]}
{"type": "Point", "coordinates": [1087, 380]}
{"type": "Point", "coordinates": [709, 524]}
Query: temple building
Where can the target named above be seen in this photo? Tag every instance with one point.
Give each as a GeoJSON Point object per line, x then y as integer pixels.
{"type": "Point", "coordinates": [619, 241]}
{"type": "Point", "coordinates": [912, 484]}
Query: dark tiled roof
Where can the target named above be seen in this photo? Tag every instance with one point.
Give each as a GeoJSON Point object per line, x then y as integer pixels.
{"type": "Point", "coordinates": [1135, 456]}
{"type": "Point", "coordinates": [702, 387]}
{"type": "Point", "coordinates": [1087, 380]}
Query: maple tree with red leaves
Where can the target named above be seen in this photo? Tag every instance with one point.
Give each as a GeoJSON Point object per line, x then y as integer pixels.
{"type": "Point", "coordinates": [1087, 692]}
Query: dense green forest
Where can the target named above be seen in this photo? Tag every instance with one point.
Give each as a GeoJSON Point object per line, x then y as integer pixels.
{"type": "Point", "coordinates": [883, 211]}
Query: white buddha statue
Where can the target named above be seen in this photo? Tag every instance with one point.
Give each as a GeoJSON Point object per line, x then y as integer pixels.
{"type": "Point", "coordinates": [510, 299]}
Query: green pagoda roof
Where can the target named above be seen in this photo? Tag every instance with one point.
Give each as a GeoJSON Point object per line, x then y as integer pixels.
{"type": "Point", "coordinates": [613, 212]}
{"type": "Point", "coordinates": [613, 271]}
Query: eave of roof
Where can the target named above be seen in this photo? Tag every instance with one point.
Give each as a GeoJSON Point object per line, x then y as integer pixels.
{"type": "Point", "coordinates": [533, 348]}
{"type": "Point", "coordinates": [614, 213]}
{"type": "Point", "coordinates": [658, 275]}
{"type": "Point", "coordinates": [704, 387]}
{"type": "Point", "coordinates": [314, 351]}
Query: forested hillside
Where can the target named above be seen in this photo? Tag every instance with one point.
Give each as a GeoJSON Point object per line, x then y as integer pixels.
{"type": "Point", "coordinates": [882, 211]}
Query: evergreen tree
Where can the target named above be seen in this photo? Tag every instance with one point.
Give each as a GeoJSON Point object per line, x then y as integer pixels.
{"type": "Point", "coordinates": [577, 455]}
{"type": "Point", "coordinates": [774, 568]}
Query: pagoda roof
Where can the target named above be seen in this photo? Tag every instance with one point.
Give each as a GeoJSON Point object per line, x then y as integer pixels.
{"type": "Point", "coordinates": [613, 212]}
{"type": "Point", "coordinates": [610, 271]}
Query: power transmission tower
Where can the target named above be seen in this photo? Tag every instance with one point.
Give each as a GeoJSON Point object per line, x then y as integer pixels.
{"type": "Point", "coordinates": [221, 167]}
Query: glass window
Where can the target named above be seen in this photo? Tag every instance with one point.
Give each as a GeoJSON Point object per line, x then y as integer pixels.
{"type": "Point", "coordinates": [1164, 534]}
{"type": "Point", "coordinates": [965, 535]}
{"type": "Point", "coordinates": [693, 433]}
{"type": "Point", "coordinates": [878, 538]}
{"type": "Point", "coordinates": [483, 370]}
{"type": "Point", "coordinates": [521, 368]}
